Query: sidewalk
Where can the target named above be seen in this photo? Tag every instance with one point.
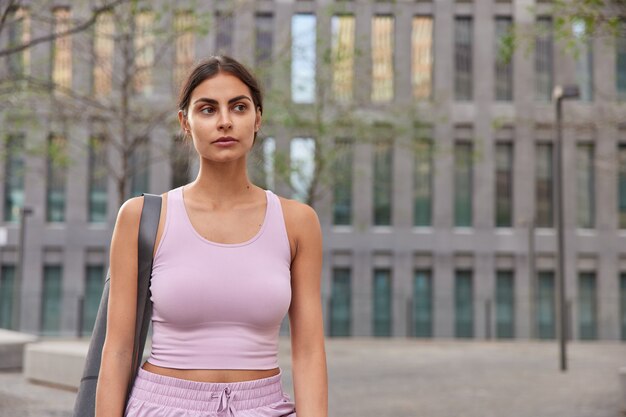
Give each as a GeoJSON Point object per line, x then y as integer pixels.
{"type": "Point", "coordinates": [411, 378]}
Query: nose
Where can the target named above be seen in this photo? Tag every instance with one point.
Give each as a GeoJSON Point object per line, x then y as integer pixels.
{"type": "Point", "coordinates": [225, 123]}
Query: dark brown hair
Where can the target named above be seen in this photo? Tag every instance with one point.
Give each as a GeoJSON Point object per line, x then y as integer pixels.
{"type": "Point", "coordinates": [211, 66]}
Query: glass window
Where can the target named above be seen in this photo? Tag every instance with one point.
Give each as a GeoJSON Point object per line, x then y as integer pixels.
{"type": "Point", "coordinates": [585, 181]}
{"type": "Point", "coordinates": [14, 177]}
{"type": "Point", "coordinates": [343, 27]}
{"type": "Point", "coordinates": [544, 60]}
{"type": "Point", "coordinates": [303, 57]}
{"type": "Point", "coordinates": [340, 303]}
{"type": "Point", "coordinates": [184, 51]}
{"type": "Point", "coordinates": [504, 184]}
{"type": "Point", "coordinates": [180, 161]}
{"type": "Point", "coordinates": [622, 302]}
{"type": "Point", "coordinates": [224, 23]}
{"type": "Point", "coordinates": [98, 179]}
{"type": "Point", "coordinates": [62, 50]}
{"type": "Point", "coordinates": [139, 169]}
{"type": "Point", "coordinates": [51, 300]}
{"type": "Point", "coordinates": [55, 180]}
{"type": "Point", "coordinates": [382, 181]}
{"type": "Point", "coordinates": [342, 177]}
{"type": "Point", "coordinates": [463, 173]}
{"type": "Point", "coordinates": [422, 57]}
{"type": "Point", "coordinates": [422, 304]}
{"type": "Point", "coordinates": [423, 182]}
{"type": "Point", "coordinates": [382, 302]}
{"type": "Point", "coordinates": [264, 32]}
{"type": "Point", "coordinates": [545, 305]}
{"type": "Point", "coordinates": [18, 32]}
{"type": "Point", "coordinates": [382, 58]}
{"type": "Point", "coordinates": [544, 186]}
{"type": "Point", "coordinates": [620, 61]}
{"type": "Point", "coordinates": [302, 167]}
{"type": "Point", "coordinates": [587, 313]}
{"type": "Point", "coordinates": [505, 310]}
{"type": "Point", "coordinates": [463, 305]}
{"type": "Point", "coordinates": [584, 60]}
{"type": "Point", "coordinates": [622, 185]}
{"type": "Point", "coordinates": [463, 61]}
{"type": "Point", "coordinates": [7, 279]}
{"type": "Point", "coordinates": [144, 52]}
{"type": "Point", "coordinates": [103, 45]}
{"type": "Point", "coordinates": [94, 283]}
{"type": "Point", "coordinates": [504, 64]}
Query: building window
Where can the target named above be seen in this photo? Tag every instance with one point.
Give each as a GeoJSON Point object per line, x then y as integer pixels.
{"type": "Point", "coordinates": [180, 161]}
{"type": "Point", "coordinates": [463, 180]}
{"type": "Point", "coordinates": [584, 60]}
{"type": "Point", "coordinates": [303, 57]}
{"type": "Point", "coordinates": [103, 46]}
{"type": "Point", "coordinates": [545, 305]}
{"type": "Point", "coordinates": [14, 177]}
{"type": "Point", "coordinates": [587, 307]}
{"type": "Point", "coordinates": [504, 184]}
{"type": "Point", "coordinates": [422, 304]}
{"type": "Point", "coordinates": [343, 27]}
{"type": "Point", "coordinates": [620, 61]}
{"type": "Point", "coordinates": [585, 189]}
{"type": "Point", "coordinates": [463, 305]}
{"type": "Point", "coordinates": [382, 303]}
{"type": "Point", "coordinates": [55, 180]}
{"type": "Point", "coordinates": [423, 182]}
{"type": "Point", "coordinates": [422, 57]}
{"type": "Point", "coordinates": [504, 65]}
{"type": "Point", "coordinates": [544, 186]}
{"type": "Point", "coordinates": [302, 156]}
{"type": "Point", "coordinates": [382, 182]}
{"type": "Point", "coordinates": [463, 61]}
{"type": "Point", "coordinates": [98, 179]}
{"type": "Point", "coordinates": [139, 169]}
{"type": "Point", "coordinates": [51, 300]}
{"type": "Point", "coordinates": [622, 302]}
{"type": "Point", "coordinates": [342, 186]}
{"type": "Point", "coordinates": [622, 185]}
{"type": "Point", "coordinates": [505, 305]}
{"type": "Point", "coordinates": [184, 53]}
{"type": "Point", "coordinates": [62, 50]}
{"type": "Point", "coordinates": [382, 58]}
{"type": "Point", "coordinates": [340, 303]}
{"type": "Point", "coordinates": [94, 283]}
{"type": "Point", "coordinates": [224, 23]}
{"type": "Point", "coordinates": [18, 32]}
{"type": "Point", "coordinates": [7, 280]}
{"type": "Point", "coordinates": [544, 59]}
{"type": "Point", "coordinates": [264, 32]}
{"type": "Point", "coordinates": [144, 52]}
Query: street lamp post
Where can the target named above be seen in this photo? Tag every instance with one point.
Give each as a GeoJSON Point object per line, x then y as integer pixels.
{"type": "Point", "coordinates": [17, 282]}
{"type": "Point", "coordinates": [561, 93]}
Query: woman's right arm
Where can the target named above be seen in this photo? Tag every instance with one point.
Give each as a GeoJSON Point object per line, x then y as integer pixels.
{"type": "Point", "coordinates": [120, 332]}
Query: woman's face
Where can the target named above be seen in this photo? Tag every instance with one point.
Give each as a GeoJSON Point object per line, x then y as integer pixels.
{"type": "Point", "coordinates": [221, 107]}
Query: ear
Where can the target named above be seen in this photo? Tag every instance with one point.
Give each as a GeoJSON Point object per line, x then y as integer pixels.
{"type": "Point", "coordinates": [184, 123]}
{"type": "Point", "coordinates": [257, 121]}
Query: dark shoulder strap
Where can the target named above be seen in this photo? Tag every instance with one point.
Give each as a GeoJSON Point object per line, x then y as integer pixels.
{"type": "Point", "coordinates": [148, 227]}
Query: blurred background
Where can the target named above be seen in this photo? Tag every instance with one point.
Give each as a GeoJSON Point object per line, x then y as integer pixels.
{"type": "Point", "coordinates": [427, 135]}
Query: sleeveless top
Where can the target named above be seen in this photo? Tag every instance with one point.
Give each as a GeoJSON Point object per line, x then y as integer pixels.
{"type": "Point", "coordinates": [219, 305]}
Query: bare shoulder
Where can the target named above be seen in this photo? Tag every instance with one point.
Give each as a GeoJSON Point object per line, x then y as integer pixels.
{"type": "Point", "coordinates": [301, 220]}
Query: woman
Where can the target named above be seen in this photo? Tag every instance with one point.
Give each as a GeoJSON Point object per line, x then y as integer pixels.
{"type": "Point", "coordinates": [231, 260]}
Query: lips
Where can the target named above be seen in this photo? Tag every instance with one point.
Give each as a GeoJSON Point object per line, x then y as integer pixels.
{"type": "Point", "coordinates": [226, 139]}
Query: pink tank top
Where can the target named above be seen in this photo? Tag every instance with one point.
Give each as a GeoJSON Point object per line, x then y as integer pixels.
{"type": "Point", "coordinates": [218, 305]}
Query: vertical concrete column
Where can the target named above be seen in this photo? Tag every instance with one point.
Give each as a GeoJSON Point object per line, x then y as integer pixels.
{"type": "Point", "coordinates": [523, 284]}
{"type": "Point", "coordinates": [484, 291]}
{"type": "Point", "coordinates": [443, 295]}
{"type": "Point", "coordinates": [160, 166]}
{"type": "Point", "coordinates": [244, 32]}
{"type": "Point", "coordinates": [402, 277]}
{"type": "Point", "coordinates": [403, 17]}
{"type": "Point", "coordinates": [363, 48]}
{"type": "Point", "coordinates": [362, 293]}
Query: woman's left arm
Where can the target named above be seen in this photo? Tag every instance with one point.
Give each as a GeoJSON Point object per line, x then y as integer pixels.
{"type": "Point", "coordinates": [310, 377]}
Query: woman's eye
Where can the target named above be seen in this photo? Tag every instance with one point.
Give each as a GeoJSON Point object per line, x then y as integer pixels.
{"type": "Point", "coordinates": [240, 107]}
{"type": "Point", "coordinates": [207, 108]}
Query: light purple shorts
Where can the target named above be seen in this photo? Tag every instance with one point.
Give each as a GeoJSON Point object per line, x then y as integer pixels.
{"type": "Point", "coordinates": [155, 395]}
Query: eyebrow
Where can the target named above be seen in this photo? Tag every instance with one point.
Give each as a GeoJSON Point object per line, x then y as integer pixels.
{"type": "Point", "coordinates": [213, 101]}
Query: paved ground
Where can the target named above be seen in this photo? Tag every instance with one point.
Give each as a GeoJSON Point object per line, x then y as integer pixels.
{"type": "Point", "coordinates": [409, 378]}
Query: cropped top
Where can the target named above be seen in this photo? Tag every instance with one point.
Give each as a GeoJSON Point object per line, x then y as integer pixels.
{"type": "Point", "coordinates": [219, 305]}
